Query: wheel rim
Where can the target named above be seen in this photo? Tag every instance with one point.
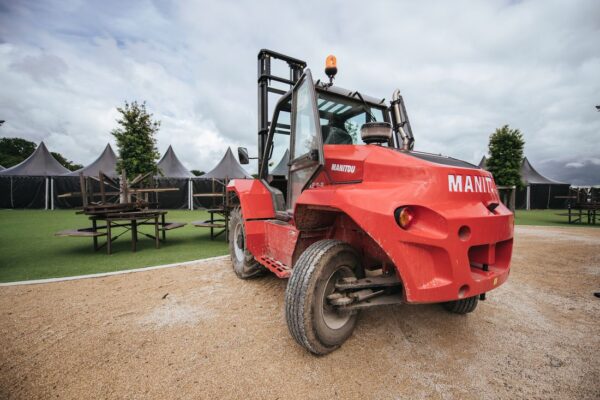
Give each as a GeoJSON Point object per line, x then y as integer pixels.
{"type": "Point", "coordinates": [238, 242]}
{"type": "Point", "coordinates": [333, 318]}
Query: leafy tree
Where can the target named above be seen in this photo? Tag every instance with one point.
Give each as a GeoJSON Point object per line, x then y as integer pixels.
{"type": "Point", "coordinates": [197, 172]}
{"type": "Point", "coordinates": [136, 140]}
{"type": "Point", "coordinates": [506, 156]}
{"type": "Point", "coordinates": [66, 163]}
{"type": "Point", "coordinates": [15, 150]}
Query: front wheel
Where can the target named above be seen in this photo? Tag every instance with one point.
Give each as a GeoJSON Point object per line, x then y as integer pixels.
{"type": "Point", "coordinates": [244, 264]}
{"type": "Point", "coordinates": [315, 324]}
{"type": "Point", "coordinates": [463, 306]}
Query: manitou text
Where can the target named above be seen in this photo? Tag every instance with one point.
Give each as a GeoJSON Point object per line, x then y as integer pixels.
{"type": "Point", "coordinates": [470, 183]}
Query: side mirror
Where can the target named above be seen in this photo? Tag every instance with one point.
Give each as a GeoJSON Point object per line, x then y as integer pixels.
{"type": "Point", "coordinates": [243, 155]}
{"type": "Point", "coordinates": [376, 132]}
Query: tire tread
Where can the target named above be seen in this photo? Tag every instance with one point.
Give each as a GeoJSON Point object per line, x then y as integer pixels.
{"type": "Point", "coordinates": [462, 306]}
{"type": "Point", "coordinates": [297, 290]}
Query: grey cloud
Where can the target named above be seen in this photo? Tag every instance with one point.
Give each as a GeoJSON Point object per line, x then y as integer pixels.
{"type": "Point", "coordinates": [464, 68]}
{"type": "Point", "coordinates": [44, 66]}
{"type": "Point", "coordinates": [576, 172]}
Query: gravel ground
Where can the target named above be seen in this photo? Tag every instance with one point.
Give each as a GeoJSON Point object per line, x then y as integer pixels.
{"type": "Point", "coordinates": [199, 332]}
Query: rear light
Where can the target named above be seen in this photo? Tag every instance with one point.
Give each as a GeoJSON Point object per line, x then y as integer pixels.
{"type": "Point", "coordinates": [404, 217]}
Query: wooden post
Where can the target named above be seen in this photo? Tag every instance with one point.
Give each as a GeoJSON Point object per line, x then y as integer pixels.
{"type": "Point", "coordinates": [123, 197]}
{"type": "Point", "coordinates": [94, 229]}
{"type": "Point", "coordinates": [108, 236]}
{"type": "Point", "coordinates": [213, 190]}
{"type": "Point", "coordinates": [102, 192]}
{"type": "Point", "coordinates": [156, 238]}
{"type": "Point", "coordinates": [133, 235]}
{"type": "Point", "coordinates": [82, 190]}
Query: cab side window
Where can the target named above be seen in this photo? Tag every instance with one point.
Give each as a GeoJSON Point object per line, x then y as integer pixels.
{"type": "Point", "coordinates": [281, 142]}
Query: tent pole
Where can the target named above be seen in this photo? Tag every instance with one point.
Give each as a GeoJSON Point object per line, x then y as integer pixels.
{"type": "Point", "coordinates": [528, 197]}
{"type": "Point", "coordinates": [549, 191]}
{"type": "Point", "coordinates": [12, 202]}
{"type": "Point", "coordinates": [190, 194]}
{"type": "Point", "coordinates": [52, 193]}
{"type": "Point", "coordinates": [46, 199]}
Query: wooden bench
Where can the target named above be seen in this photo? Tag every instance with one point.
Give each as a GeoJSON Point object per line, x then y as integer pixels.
{"type": "Point", "coordinates": [167, 226]}
{"type": "Point", "coordinates": [208, 224]}
{"type": "Point", "coordinates": [85, 232]}
{"type": "Point", "coordinates": [80, 233]}
{"type": "Point", "coordinates": [212, 224]}
{"type": "Point", "coordinates": [171, 225]}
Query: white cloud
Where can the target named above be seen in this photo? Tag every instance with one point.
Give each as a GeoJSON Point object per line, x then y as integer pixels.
{"type": "Point", "coordinates": [465, 68]}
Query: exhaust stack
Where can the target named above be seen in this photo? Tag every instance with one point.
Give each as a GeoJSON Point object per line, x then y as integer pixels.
{"type": "Point", "coordinates": [400, 121]}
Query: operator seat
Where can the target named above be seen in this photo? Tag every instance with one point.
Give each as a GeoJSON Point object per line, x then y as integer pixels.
{"type": "Point", "coordinates": [335, 135]}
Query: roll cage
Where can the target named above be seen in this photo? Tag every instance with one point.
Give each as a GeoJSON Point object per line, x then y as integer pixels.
{"type": "Point", "coordinates": [297, 68]}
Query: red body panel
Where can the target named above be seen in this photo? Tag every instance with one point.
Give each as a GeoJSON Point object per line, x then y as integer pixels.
{"type": "Point", "coordinates": [255, 198]}
{"type": "Point", "coordinates": [439, 257]}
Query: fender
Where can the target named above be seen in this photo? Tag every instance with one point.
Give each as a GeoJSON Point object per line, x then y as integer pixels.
{"type": "Point", "coordinates": [255, 199]}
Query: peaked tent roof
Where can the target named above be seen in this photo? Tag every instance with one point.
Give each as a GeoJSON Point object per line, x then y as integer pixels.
{"type": "Point", "coordinates": [2, 168]}
{"type": "Point", "coordinates": [530, 176]}
{"type": "Point", "coordinates": [106, 162]}
{"type": "Point", "coordinates": [282, 167]}
{"type": "Point", "coordinates": [483, 163]}
{"type": "Point", "coordinates": [39, 163]}
{"type": "Point", "coordinates": [228, 168]}
{"type": "Point", "coordinates": [171, 167]}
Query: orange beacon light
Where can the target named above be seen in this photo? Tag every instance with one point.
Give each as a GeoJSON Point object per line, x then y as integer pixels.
{"type": "Point", "coordinates": [331, 67]}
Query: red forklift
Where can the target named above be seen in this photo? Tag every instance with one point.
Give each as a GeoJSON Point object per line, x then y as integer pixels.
{"type": "Point", "coordinates": [352, 215]}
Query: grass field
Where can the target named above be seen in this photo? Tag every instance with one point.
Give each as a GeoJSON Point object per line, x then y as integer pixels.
{"type": "Point", "coordinates": [29, 249]}
{"type": "Point", "coordinates": [547, 218]}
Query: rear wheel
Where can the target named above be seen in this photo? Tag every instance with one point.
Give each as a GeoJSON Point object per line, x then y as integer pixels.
{"type": "Point", "coordinates": [463, 306]}
{"type": "Point", "coordinates": [312, 321]}
{"type": "Point", "coordinates": [244, 264]}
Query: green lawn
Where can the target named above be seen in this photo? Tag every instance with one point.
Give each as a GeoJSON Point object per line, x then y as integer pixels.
{"type": "Point", "coordinates": [546, 218]}
{"type": "Point", "coordinates": [29, 249]}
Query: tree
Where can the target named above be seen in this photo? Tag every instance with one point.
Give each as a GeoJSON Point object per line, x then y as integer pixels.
{"type": "Point", "coordinates": [66, 163]}
{"type": "Point", "coordinates": [197, 172]}
{"type": "Point", "coordinates": [136, 140]}
{"type": "Point", "coordinates": [15, 150]}
{"type": "Point", "coordinates": [506, 156]}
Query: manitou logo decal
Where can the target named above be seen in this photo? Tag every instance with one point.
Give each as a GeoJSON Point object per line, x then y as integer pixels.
{"type": "Point", "coordinates": [470, 183]}
{"type": "Point", "coordinates": [343, 168]}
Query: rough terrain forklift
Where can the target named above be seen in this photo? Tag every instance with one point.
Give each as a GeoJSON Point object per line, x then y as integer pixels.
{"type": "Point", "coordinates": [353, 216]}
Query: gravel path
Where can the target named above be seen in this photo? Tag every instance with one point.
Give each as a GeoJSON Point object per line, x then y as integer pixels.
{"type": "Point", "coordinates": [199, 332]}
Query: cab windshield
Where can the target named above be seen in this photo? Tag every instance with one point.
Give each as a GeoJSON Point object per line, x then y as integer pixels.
{"type": "Point", "coordinates": [341, 118]}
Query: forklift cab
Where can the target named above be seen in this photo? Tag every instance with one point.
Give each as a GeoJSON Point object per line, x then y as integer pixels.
{"type": "Point", "coordinates": [306, 117]}
{"type": "Point", "coordinates": [304, 120]}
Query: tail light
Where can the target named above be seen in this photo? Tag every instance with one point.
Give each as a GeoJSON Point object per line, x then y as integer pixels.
{"type": "Point", "coordinates": [404, 217]}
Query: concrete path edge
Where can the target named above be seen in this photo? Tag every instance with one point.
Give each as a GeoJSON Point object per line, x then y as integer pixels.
{"type": "Point", "coordinates": [104, 274]}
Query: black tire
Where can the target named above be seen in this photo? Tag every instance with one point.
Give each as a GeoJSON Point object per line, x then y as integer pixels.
{"type": "Point", "coordinates": [312, 322]}
{"type": "Point", "coordinates": [244, 264]}
{"type": "Point", "coordinates": [463, 306]}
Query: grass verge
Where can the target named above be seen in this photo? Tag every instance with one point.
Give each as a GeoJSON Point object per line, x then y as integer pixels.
{"type": "Point", "coordinates": [29, 249]}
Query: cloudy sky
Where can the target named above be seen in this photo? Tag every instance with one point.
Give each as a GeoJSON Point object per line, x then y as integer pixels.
{"type": "Point", "coordinates": [464, 68]}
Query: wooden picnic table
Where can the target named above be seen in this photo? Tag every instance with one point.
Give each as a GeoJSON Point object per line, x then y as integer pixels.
{"type": "Point", "coordinates": [130, 221]}
{"type": "Point", "coordinates": [579, 212]}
